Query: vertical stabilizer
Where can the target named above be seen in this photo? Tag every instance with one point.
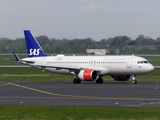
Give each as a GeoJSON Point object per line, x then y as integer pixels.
{"type": "Point", "coordinates": [33, 47]}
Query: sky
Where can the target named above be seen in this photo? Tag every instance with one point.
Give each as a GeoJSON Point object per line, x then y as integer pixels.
{"type": "Point", "coordinates": [96, 19]}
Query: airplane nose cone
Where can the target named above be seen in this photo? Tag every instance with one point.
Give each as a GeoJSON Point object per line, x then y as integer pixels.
{"type": "Point", "coordinates": [150, 68]}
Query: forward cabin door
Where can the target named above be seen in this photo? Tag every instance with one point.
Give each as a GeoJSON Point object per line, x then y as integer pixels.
{"type": "Point", "coordinates": [129, 63]}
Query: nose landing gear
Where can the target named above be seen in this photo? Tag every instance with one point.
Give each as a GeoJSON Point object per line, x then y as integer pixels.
{"type": "Point", "coordinates": [134, 80]}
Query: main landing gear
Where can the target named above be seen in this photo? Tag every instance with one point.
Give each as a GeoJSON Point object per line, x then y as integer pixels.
{"type": "Point", "coordinates": [76, 81]}
{"type": "Point", "coordinates": [99, 80]}
{"type": "Point", "coordinates": [134, 80]}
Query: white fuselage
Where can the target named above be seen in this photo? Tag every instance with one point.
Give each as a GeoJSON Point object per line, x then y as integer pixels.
{"type": "Point", "coordinates": [106, 65]}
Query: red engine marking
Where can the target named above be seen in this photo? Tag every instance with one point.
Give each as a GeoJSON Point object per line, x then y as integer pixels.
{"type": "Point", "coordinates": [87, 75]}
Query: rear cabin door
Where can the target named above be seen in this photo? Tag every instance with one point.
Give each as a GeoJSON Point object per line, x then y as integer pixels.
{"type": "Point", "coordinates": [43, 61]}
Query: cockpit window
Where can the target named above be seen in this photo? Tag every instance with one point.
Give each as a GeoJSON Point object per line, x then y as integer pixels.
{"type": "Point", "coordinates": [141, 62]}
{"type": "Point", "coordinates": [145, 61]}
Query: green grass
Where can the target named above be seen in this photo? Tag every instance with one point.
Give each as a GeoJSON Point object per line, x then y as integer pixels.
{"type": "Point", "coordinates": [155, 60]}
{"type": "Point", "coordinates": [10, 59]}
{"type": "Point", "coordinates": [151, 77]}
{"type": "Point", "coordinates": [33, 74]}
{"type": "Point", "coordinates": [77, 113]}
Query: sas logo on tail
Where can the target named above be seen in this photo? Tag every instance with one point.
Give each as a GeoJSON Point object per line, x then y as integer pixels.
{"type": "Point", "coordinates": [34, 51]}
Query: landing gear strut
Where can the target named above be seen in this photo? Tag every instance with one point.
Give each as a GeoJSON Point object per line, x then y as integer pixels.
{"type": "Point", "coordinates": [134, 80]}
{"type": "Point", "coordinates": [99, 80]}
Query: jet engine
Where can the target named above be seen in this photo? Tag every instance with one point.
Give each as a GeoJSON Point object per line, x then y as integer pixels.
{"type": "Point", "coordinates": [121, 77]}
{"type": "Point", "coordinates": [88, 75]}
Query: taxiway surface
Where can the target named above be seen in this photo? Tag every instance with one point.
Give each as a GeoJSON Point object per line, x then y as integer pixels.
{"type": "Point", "coordinates": [84, 94]}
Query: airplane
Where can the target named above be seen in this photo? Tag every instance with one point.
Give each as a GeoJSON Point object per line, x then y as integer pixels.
{"type": "Point", "coordinates": [85, 68]}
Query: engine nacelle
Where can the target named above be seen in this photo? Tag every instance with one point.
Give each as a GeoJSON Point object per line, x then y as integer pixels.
{"type": "Point", "coordinates": [121, 77]}
{"type": "Point", "coordinates": [88, 75]}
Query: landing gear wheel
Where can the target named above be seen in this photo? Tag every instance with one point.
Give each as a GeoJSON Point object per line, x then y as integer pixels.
{"type": "Point", "coordinates": [76, 80]}
{"type": "Point", "coordinates": [99, 80]}
{"type": "Point", "coordinates": [134, 81]}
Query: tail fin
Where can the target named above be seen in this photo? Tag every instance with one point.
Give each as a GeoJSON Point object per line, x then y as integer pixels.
{"type": "Point", "coordinates": [33, 47]}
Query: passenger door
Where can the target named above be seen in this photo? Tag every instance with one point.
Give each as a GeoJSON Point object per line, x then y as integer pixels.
{"type": "Point", "coordinates": [129, 62]}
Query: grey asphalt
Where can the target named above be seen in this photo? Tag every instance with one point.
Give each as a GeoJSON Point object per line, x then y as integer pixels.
{"type": "Point", "coordinates": [84, 94]}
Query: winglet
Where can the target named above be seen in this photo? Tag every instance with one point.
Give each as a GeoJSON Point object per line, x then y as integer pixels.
{"type": "Point", "coordinates": [33, 47]}
{"type": "Point", "coordinates": [17, 58]}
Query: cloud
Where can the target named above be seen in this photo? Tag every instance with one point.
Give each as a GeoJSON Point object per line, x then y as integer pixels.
{"type": "Point", "coordinates": [93, 6]}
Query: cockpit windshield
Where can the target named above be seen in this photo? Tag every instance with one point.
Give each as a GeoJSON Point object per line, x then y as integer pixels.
{"type": "Point", "coordinates": [142, 62]}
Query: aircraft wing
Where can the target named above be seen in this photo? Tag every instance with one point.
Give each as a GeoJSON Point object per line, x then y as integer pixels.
{"type": "Point", "coordinates": [31, 63]}
{"type": "Point", "coordinates": [65, 67]}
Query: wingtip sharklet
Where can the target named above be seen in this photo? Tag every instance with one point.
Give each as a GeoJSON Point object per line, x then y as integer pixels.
{"type": "Point", "coordinates": [17, 58]}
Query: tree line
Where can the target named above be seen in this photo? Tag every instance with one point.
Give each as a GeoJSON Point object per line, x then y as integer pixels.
{"type": "Point", "coordinates": [126, 45]}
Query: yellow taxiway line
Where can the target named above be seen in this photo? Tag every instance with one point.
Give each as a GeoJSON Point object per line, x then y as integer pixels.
{"type": "Point", "coordinates": [82, 97]}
